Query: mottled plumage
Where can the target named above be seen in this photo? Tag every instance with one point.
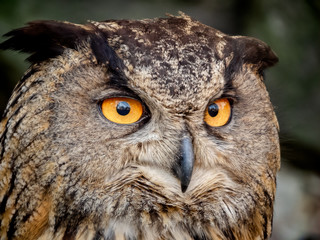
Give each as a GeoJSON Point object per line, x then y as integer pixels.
{"type": "Point", "coordinates": [67, 172]}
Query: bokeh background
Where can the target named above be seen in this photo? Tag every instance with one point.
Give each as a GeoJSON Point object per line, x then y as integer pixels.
{"type": "Point", "coordinates": [291, 28]}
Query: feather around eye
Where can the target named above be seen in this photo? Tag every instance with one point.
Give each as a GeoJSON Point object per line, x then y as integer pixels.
{"type": "Point", "coordinates": [122, 110]}
{"type": "Point", "coordinates": [218, 113]}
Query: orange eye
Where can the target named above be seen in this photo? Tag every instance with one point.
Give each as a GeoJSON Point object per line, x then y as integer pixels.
{"type": "Point", "coordinates": [218, 113]}
{"type": "Point", "coordinates": [122, 110]}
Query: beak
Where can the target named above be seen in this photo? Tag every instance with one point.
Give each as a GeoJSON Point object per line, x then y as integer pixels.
{"type": "Point", "coordinates": [184, 167]}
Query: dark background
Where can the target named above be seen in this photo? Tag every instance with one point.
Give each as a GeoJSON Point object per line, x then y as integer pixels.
{"type": "Point", "coordinates": [291, 28]}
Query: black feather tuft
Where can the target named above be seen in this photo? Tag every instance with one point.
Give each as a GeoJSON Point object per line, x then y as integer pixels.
{"type": "Point", "coordinates": [104, 53]}
{"type": "Point", "coordinates": [247, 50]}
{"type": "Point", "coordinates": [44, 39]}
{"type": "Point", "coordinates": [49, 39]}
{"type": "Point", "coordinates": [256, 52]}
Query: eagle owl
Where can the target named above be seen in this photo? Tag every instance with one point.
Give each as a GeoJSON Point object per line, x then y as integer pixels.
{"type": "Point", "coordinates": [151, 129]}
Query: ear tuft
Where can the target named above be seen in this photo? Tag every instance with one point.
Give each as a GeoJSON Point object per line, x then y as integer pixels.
{"type": "Point", "coordinates": [45, 39]}
{"type": "Point", "coordinates": [256, 52]}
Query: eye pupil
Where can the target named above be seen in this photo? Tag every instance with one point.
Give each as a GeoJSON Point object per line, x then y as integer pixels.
{"type": "Point", "coordinates": [123, 108]}
{"type": "Point", "coordinates": [213, 110]}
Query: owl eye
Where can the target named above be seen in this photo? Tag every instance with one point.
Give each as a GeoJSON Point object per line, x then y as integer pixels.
{"type": "Point", "coordinates": [218, 113]}
{"type": "Point", "coordinates": [122, 110]}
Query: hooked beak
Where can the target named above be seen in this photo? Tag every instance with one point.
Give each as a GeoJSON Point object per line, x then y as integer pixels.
{"type": "Point", "coordinates": [184, 167]}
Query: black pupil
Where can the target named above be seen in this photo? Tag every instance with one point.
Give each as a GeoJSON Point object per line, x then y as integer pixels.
{"type": "Point", "coordinates": [123, 108]}
{"type": "Point", "coordinates": [213, 110]}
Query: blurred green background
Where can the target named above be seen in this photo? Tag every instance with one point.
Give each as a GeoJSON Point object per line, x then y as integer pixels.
{"type": "Point", "coordinates": [291, 28]}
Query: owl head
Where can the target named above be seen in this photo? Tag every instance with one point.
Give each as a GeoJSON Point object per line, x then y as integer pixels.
{"type": "Point", "coordinates": [151, 129]}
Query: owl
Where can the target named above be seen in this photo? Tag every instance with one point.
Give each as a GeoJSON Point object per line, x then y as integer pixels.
{"type": "Point", "coordinates": [138, 130]}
